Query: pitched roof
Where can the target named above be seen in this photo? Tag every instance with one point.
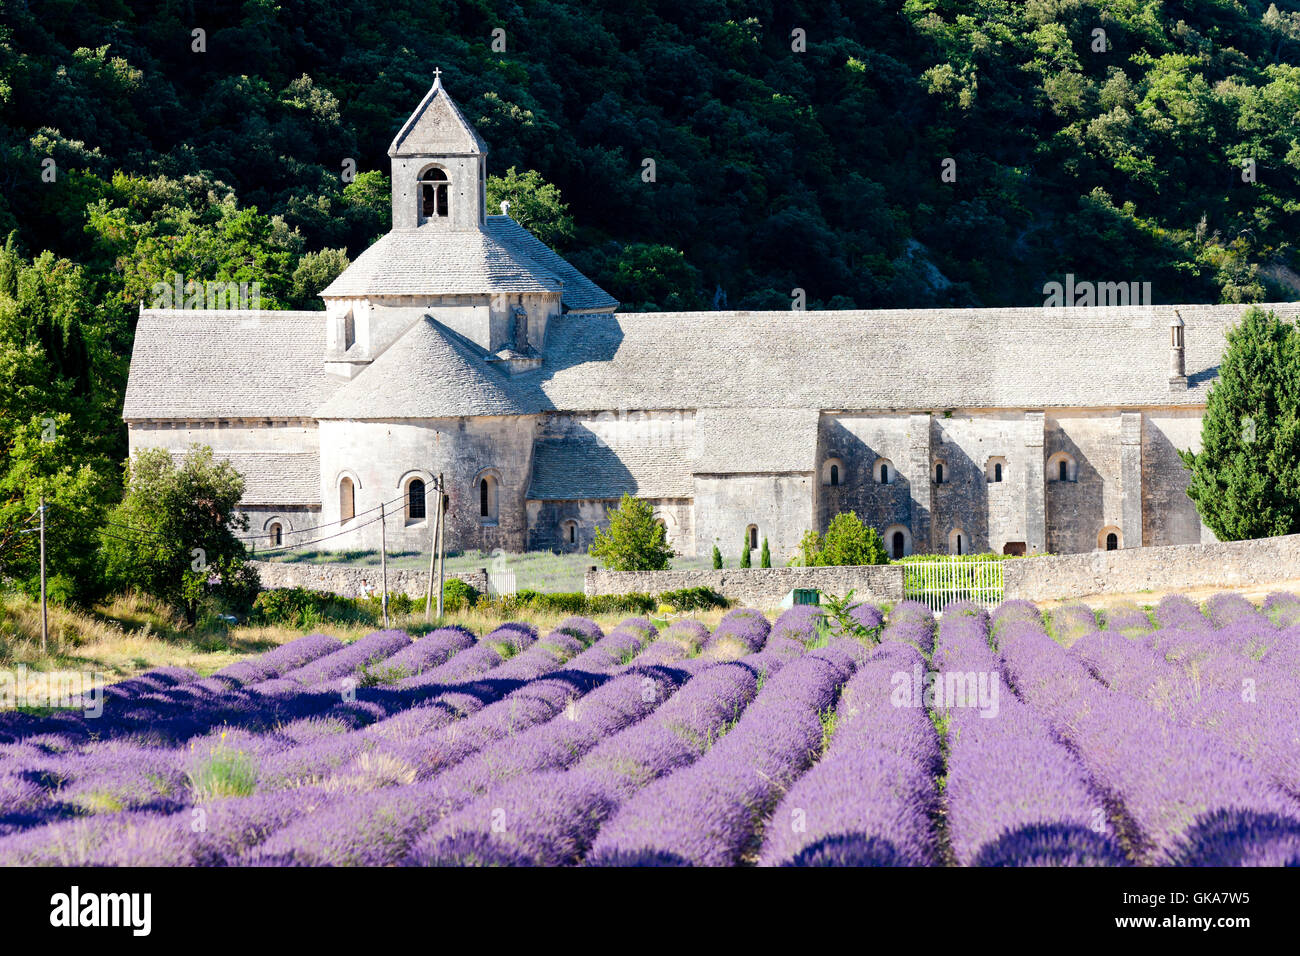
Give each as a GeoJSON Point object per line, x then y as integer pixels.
{"type": "Point", "coordinates": [436, 126]}
{"type": "Point", "coordinates": [429, 372]}
{"type": "Point", "coordinates": [207, 363]}
{"type": "Point", "coordinates": [725, 440]}
{"type": "Point", "coordinates": [925, 359]}
{"type": "Point", "coordinates": [434, 261]}
{"type": "Point", "coordinates": [277, 478]}
{"type": "Point", "coordinates": [580, 293]}
{"type": "Point", "coordinates": [567, 469]}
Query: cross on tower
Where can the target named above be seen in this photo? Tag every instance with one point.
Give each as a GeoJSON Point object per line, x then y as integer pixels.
{"type": "Point", "coordinates": [437, 72]}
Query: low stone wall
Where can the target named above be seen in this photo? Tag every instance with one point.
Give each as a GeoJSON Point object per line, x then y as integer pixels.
{"type": "Point", "coordinates": [355, 581]}
{"type": "Point", "coordinates": [1223, 564]}
{"type": "Point", "coordinates": [756, 587]}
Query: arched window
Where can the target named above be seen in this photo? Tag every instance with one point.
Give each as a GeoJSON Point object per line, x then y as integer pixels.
{"type": "Point", "coordinates": [276, 534]}
{"type": "Point", "coordinates": [1112, 542]}
{"type": "Point", "coordinates": [1061, 467]}
{"type": "Point", "coordinates": [957, 542]}
{"type": "Point", "coordinates": [569, 532]}
{"type": "Point", "coordinates": [415, 510]}
{"type": "Point", "coordinates": [832, 471]}
{"type": "Point", "coordinates": [1109, 538]}
{"type": "Point", "coordinates": [938, 473]}
{"type": "Point", "coordinates": [897, 540]}
{"type": "Point", "coordinates": [995, 469]}
{"type": "Point", "coordinates": [487, 498]}
{"type": "Point", "coordinates": [347, 500]}
{"type": "Point", "coordinates": [751, 535]}
{"type": "Point", "coordinates": [433, 195]}
{"type": "Point", "coordinates": [884, 471]}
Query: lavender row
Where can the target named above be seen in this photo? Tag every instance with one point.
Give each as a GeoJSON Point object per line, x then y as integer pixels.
{"type": "Point", "coordinates": [707, 813]}
{"type": "Point", "coordinates": [1170, 784]}
{"type": "Point", "coordinates": [869, 801]}
{"type": "Point", "coordinates": [551, 818]}
{"type": "Point", "coordinates": [1014, 794]}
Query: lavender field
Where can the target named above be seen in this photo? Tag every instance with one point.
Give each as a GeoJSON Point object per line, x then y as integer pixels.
{"type": "Point", "coordinates": [1010, 739]}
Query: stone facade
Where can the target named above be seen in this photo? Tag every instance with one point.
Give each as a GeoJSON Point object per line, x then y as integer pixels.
{"type": "Point", "coordinates": [459, 344]}
{"type": "Point", "coordinates": [355, 582]}
{"type": "Point", "coordinates": [1215, 565]}
{"type": "Point", "coordinates": [757, 587]}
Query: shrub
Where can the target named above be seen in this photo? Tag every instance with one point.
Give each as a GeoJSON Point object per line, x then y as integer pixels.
{"type": "Point", "coordinates": [634, 541]}
{"type": "Point", "coordinates": [847, 542]}
{"type": "Point", "coordinates": [717, 559]}
{"type": "Point", "coordinates": [744, 553]}
{"type": "Point", "coordinates": [694, 599]}
{"type": "Point", "coordinates": [765, 556]}
{"type": "Point", "coordinates": [457, 595]}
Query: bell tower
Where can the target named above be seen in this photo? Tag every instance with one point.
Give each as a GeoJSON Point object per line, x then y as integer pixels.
{"type": "Point", "coordinates": [438, 167]}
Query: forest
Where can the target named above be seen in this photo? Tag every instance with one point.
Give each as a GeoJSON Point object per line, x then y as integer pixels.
{"type": "Point", "coordinates": [876, 153]}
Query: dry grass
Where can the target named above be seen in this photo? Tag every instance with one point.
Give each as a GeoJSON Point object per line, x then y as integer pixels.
{"type": "Point", "coordinates": [132, 633]}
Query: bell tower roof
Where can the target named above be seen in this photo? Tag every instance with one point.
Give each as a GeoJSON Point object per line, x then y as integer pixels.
{"type": "Point", "coordinates": [437, 128]}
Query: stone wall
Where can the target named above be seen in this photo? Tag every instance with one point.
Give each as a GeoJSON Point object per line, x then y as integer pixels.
{"type": "Point", "coordinates": [1220, 564]}
{"type": "Point", "coordinates": [355, 581]}
{"type": "Point", "coordinates": [757, 587]}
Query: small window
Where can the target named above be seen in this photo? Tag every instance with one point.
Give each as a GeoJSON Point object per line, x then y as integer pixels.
{"type": "Point", "coordinates": [997, 472]}
{"type": "Point", "coordinates": [1061, 467]}
{"type": "Point", "coordinates": [898, 543]}
{"type": "Point", "coordinates": [958, 551]}
{"type": "Point", "coordinates": [573, 533]}
{"type": "Point", "coordinates": [487, 498]}
{"type": "Point", "coordinates": [832, 471]}
{"type": "Point", "coordinates": [415, 510]}
{"type": "Point", "coordinates": [938, 473]}
{"type": "Point", "coordinates": [1112, 542]}
{"type": "Point", "coordinates": [751, 534]}
{"type": "Point", "coordinates": [347, 500]}
{"type": "Point", "coordinates": [995, 469]}
{"type": "Point", "coordinates": [957, 542]}
{"type": "Point", "coordinates": [276, 534]}
{"type": "Point", "coordinates": [884, 471]}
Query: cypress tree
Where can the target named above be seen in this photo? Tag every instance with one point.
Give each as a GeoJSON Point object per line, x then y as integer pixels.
{"type": "Point", "coordinates": [1246, 478]}
{"type": "Point", "coordinates": [765, 556]}
{"type": "Point", "coordinates": [744, 552]}
{"type": "Point", "coordinates": [717, 559]}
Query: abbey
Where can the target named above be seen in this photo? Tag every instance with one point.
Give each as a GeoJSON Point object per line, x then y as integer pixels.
{"type": "Point", "coordinates": [460, 345]}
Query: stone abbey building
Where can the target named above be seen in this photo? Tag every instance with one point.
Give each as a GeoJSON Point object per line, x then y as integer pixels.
{"type": "Point", "coordinates": [461, 345]}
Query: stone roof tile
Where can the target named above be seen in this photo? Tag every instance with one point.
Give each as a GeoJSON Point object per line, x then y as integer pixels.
{"type": "Point", "coordinates": [206, 364]}
{"type": "Point", "coordinates": [578, 469]}
{"type": "Point", "coordinates": [429, 372]}
{"type": "Point", "coordinates": [580, 293]}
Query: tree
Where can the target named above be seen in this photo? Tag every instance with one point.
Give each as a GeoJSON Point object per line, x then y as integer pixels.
{"type": "Point", "coordinates": [765, 556]}
{"type": "Point", "coordinates": [634, 541]}
{"type": "Point", "coordinates": [717, 559]}
{"type": "Point", "coordinates": [847, 542]}
{"type": "Point", "coordinates": [1246, 478]}
{"type": "Point", "coordinates": [40, 459]}
{"type": "Point", "coordinates": [173, 535]}
{"type": "Point", "coordinates": [744, 553]}
{"type": "Point", "coordinates": [534, 203]}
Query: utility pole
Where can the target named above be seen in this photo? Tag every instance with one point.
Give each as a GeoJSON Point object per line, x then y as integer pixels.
{"type": "Point", "coordinates": [442, 547]}
{"type": "Point", "coordinates": [45, 621]}
{"type": "Point", "coordinates": [433, 547]}
{"type": "Point", "coordinates": [383, 560]}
